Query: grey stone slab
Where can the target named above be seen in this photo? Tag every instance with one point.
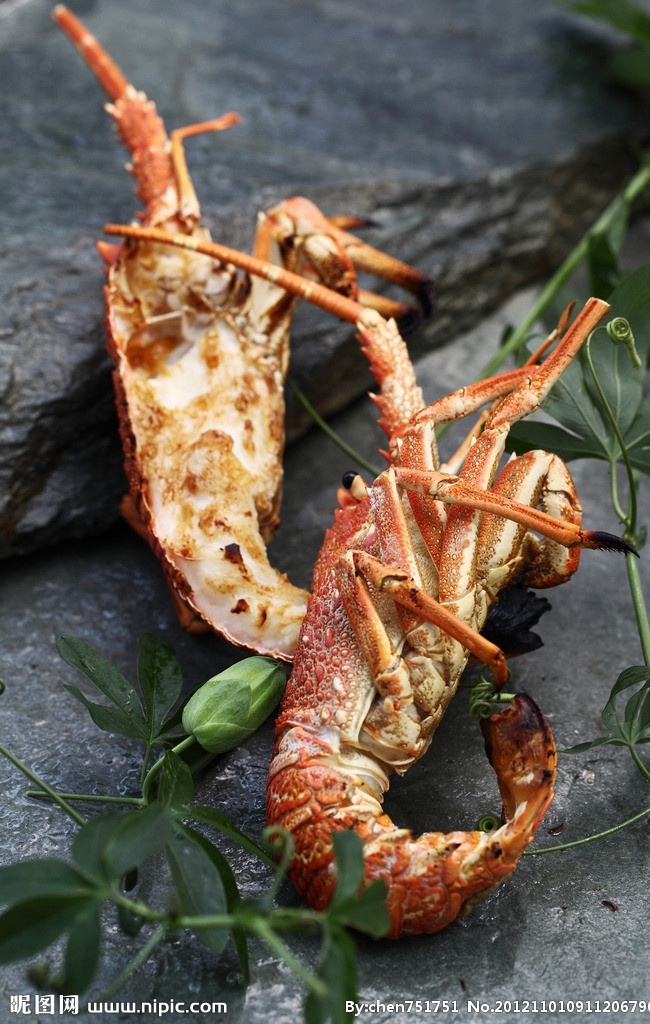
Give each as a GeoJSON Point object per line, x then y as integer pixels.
{"type": "Point", "coordinates": [479, 139]}
{"type": "Point", "coordinates": [548, 934]}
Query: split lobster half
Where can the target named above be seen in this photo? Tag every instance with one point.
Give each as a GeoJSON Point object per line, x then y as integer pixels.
{"type": "Point", "coordinates": [200, 356]}
{"type": "Point", "coordinates": [407, 573]}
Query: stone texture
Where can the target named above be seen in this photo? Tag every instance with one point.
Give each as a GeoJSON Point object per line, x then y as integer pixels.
{"type": "Point", "coordinates": [480, 143]}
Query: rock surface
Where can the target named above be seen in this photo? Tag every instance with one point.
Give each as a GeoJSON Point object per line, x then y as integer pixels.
{"type": "Point", "coordinates": [480, 142]}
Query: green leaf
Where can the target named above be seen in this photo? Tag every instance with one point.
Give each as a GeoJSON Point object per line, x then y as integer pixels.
{"type": "Point", "coordinates": [175, 786]}
{"type": "Point", "coordinates": [348, 855]}
{"type": "Point", "coordinates": [643, 718]}
{"type": "Point", "coordinates": [221, 821]}
{"type": "Point", "coordinates": [579, 748]}
{"type": "Point", "coordinates": [90, 841]}
{"type": "Point", "coordinates": [113, 843]}
{"type": "Point", "coordinates": [233, 898]}
{"type": "Point", "coordinates": [109, 719]}
{"type": "Point", "coordinates": [530, 435]}
{"type": "Point", "coordinates": [160, 679]}
{"type": "Point", "coordinates": [603, 248]}
{"type": "Point", "coordinates": [198, 886]}
{"type": "Point", "coordinates": [631, 67]}
{"type": "Point", "coordinates": [369, 913]}
{"type": "Point", "coordinates": [30, 879]}
{"type": "Point", "coordinates": [585, 429]}
{"type": "Point", "coordinates": [623, 15]}
{"type": "Point", "coordinates": [337, 971]}
{"type": "Point", "coordinates": [82, 950]}
{"type": "Point", "coordinates": [633, 726]}
{"type": "Point", "coordinates": [28, 927]}
{"type": "Point", "coordinates": [364, 907]}
{"type": "Point", "coordinates": [630, 730]}
{"type": "Point", "coordinates": [138, 835]}
{"type": "Point", "coordinates": [80, 655]}
{"type": "Point", "coordinates": [602, 261]}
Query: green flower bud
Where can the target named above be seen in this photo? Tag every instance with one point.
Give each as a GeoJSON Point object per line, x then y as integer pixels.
{"type": "Point", "coordinates": [228, 709]}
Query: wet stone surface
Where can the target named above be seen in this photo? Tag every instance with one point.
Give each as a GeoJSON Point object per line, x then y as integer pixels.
{"type": "Point", "coordinates": [319, 79]}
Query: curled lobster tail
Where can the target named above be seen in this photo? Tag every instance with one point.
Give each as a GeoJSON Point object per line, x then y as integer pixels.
{"type": "Point", "coordinates": [434, 878]}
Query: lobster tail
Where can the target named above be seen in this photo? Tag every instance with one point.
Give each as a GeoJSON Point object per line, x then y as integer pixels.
{"type": "Point", "coordinates": [316, 789]}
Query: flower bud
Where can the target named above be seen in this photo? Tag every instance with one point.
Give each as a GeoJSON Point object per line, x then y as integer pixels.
{"type": "Point", "coordinates": [228, 709]}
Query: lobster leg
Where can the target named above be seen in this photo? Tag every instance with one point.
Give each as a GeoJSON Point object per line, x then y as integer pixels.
{"type": "Point", "coordinates": [483, 457]}
{"type": "Point", "coordinates": [406, 593]}
{"type": "Point", "coordinates": [413, 691]}
{"type": "Point", "coordinates": [366, 258]}
{"type": "Point", "coordinates": [536, 478]}
{"type": "Point", "coordinates": [323, 242]}
{"type": "Point", "coordinates": [453, 490]}
{"type": "Point", "coordinates": [188, 202]}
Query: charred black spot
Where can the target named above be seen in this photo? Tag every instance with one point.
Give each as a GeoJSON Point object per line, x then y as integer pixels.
{"type": "Point", "coordinates": [241, 606]}
{"type": "Point", "coordinates": [232, 553]}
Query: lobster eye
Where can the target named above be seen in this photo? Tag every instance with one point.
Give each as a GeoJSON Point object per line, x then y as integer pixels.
{"type": "Point", "coordinates": [348, 479]}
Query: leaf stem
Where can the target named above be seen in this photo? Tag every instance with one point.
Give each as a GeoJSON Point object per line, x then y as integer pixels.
{"type": "Point", "coordinates": [43, 786]}
{"type": "Point", "coordinates": [613, 491]}
{"type": "Point", "coordinates": [639, 605]}
{"type": "Point", "coordinates": [632, 190]}
{"type": "Point", "coordinates": [141, 957]}
{"type": "Point", "coordinates": [333, 436]}
{"type": "Point", "coordinates": [186, 742]}
{"type": "Point", "coordinates": [97, 798]}
{"type": "Point", "coordinates": [629, 520]}
{"type": "Point", "coordinates": [264, 931]}
{"type": "Point", "coordinates": [639, 763]}
{"type": "Point", "coordinates": [590, 839]}
{"type": "Point", "coordinates": [255, 925]}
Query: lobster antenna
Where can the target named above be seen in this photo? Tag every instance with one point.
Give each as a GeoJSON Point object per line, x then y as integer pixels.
{"type": "Point", "coordinates": [311, 291]}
